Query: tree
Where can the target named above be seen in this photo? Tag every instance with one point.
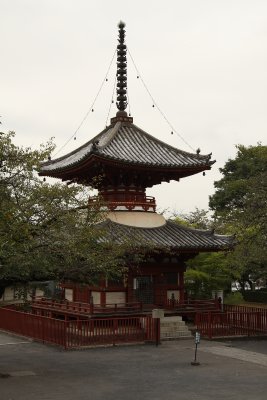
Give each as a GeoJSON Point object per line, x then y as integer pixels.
{"type": "Point", "coordinates": [47, 231]}
{"type": "Point", "coordinates": [238, 174]}
{"type": "Point", "coordinates": [198, 219]}
{"type": "Point", "coordinates": [240, 207]}
{"type": "Point", "coordinates": [207, 271]}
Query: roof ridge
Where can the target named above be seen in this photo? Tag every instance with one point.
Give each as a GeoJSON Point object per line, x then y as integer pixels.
{"type": "Point", "coordinates": [201, 231]}
{"type": "Point", "coordinates": [113, 131]}
{"type": "Point", "coordinates": [91, 141]}
{"type": "Point", "coordinates": [203, 156]}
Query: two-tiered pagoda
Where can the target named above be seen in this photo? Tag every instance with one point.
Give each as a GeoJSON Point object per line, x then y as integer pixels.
{"type": "Point", "coordinates": [129, 160]}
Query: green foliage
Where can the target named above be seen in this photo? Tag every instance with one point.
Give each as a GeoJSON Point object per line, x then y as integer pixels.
{"type": "Point", "coordinates": [234, 298]}
{"type": "Point", "coordinates": [47, 231]}
{"type": "Point", "coordinates": [205, 273]}
{"type": "Point", "coordinates": [198, 219]}
{"type": "Point", "coordinates": [231, 190]}
{"type": "Point", "coordinates": [240, 208]}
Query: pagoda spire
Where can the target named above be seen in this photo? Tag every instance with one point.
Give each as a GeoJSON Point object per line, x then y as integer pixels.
{"type": "Point", "coordinates": [121, 70]}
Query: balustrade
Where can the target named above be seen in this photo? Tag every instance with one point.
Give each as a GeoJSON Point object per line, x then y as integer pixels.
{"type": "Point", "coordinates": [125, 200]}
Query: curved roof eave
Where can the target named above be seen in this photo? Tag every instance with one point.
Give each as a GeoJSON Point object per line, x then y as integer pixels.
{"type": "Point", "coordinates": [170, 236]}
{"type": "Point", "coordinates": [111, 144]}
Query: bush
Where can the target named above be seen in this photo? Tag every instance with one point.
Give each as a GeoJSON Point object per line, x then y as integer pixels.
{"type": "Point", "coordinates": [257, 296]}
{"type": "Point", "coordinates": [234, 298]}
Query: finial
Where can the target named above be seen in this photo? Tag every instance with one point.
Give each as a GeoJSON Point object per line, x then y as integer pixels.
{"type": "Point", "coordinates": [121, 69]}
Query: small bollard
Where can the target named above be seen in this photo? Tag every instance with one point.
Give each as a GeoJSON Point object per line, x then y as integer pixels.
{"type": "Point", "coordinates": [197, 341]}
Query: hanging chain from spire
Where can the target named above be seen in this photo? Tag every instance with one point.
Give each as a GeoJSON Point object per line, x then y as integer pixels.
{"type": "Point", "coordinates": [121, 70]}
{"type": "Point", "coordinates": [155, 105]}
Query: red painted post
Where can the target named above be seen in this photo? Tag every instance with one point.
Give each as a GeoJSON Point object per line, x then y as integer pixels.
{"type": "Point", "coordinates": [196, 322]}
{"type": "Point", "coordinates": [113, 332]}
{"type": "Point", "coordinates": [157, 327]}
{"type": "Point", "coordinates": [65, 334]}
{"type": "Point", "coordinates": [209, 325]}
{"type": "Point", "coordinates": [258, 321]}
{"type": "Point", "coordinates": [91, 305]}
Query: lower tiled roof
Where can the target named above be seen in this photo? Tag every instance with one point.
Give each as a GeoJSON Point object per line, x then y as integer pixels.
{"type": "Point", "coordinates": [169, 236]}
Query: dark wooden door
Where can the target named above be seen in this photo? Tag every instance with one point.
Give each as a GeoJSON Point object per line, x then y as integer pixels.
{"type": "Point", "coordinates": [145, 289]}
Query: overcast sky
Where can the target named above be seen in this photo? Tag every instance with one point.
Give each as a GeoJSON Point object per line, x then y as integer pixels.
{"type": "Point", "coordinates": [204, 62]}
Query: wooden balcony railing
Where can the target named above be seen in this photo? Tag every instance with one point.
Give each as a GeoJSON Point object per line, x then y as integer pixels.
{"type": "Point", "coordinates": [147, 203]}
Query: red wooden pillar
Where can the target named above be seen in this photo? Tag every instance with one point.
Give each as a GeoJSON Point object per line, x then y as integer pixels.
{"type": "Point", "coordinates": [181, 283]}
{"type": "Point", "coordinates": [103, 298]}
{"type": "Point", "coordinates": [209, 325]}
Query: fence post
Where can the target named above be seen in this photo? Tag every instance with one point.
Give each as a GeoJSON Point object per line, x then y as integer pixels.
{"type": "Point", "coordinates": [43, 328]}
{"type": "Point", "coordinates": [157, 321]}
{"type": "Point", "coordinates": [65, 334]}
{"type": "Point", "coordinates": [196, 322]}
{"type": "Point", "coordinates": [248, 323]}
{"type": "Point", "coordinates": [114, 332]}
{"type": "Point", "coordinates": [209, 326]}
{"type": "Point", "coordinates": [91, 305]}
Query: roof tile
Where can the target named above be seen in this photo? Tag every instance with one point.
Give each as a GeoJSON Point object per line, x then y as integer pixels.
{"type": "Point", "coordinates": [130, 144]}
{"type": "Point", "coordinates": [170, 236]}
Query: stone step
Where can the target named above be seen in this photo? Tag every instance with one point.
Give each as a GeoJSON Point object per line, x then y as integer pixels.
{"type": "Point", "coordinates": [174, 318]}
{"type": "Point", "coordinates": [176, 335]}
{"type": "Point", "coordinates": [173, 327]}
{"type": "Point", "coordinates": [169, 324]}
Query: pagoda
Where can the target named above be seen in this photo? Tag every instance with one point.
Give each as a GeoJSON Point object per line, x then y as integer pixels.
{"type": "Point", "coordinates": [128, 160]}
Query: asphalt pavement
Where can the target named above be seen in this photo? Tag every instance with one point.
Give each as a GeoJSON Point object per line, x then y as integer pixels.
{"type": "Point", "coordinates": [228, 370]}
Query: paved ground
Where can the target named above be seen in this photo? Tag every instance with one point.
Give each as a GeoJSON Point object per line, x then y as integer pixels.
{"type": "Point", "coordinates": [228, 370]}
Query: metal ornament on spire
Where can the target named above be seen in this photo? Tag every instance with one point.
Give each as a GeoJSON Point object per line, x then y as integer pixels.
{"type": "Point", "coordinates": [121, 70]}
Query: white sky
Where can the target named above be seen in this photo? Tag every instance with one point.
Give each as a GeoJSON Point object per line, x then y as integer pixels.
{"type": "Point", "coordinates": [204, 61]}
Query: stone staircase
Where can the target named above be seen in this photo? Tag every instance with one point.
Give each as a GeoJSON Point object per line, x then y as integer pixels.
{"type": "Point", "coordinates": [173, 328]}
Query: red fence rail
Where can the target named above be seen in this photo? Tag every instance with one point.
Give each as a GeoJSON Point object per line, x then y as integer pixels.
{"type": "Point", "coordinates": [110, 331]}
{"type": "Point", "coordinates": [84, 308]}
{"type": "Point", "coordinates": [193, 304]}
{"type": "Point", "coordinates": [34, 326]}
{"type": "Point", "coordinates": [233, 308]}
{"type": "Point", "coordinates": [234, 321]}
{"type": "Point", "coordinates": [71, 334]}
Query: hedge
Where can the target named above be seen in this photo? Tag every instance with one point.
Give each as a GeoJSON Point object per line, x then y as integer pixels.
{"type": "Point", "coordinates": [257, 296]}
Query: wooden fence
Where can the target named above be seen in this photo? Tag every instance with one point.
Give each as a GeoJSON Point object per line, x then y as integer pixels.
{"type": "Point", "coordinates": [191, 304]}
{"type": "Point", "coordinates": [83, 309]}
{"type": "Point", "coordinates": [233, 321]}
{"type": "Point", "coordinates": [74, 334]}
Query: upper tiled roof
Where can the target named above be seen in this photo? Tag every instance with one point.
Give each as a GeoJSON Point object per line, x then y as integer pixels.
{"type": "Point", "coordinates": [126, 143]}
{"type": "Point", "coordinates": [170, 236]}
